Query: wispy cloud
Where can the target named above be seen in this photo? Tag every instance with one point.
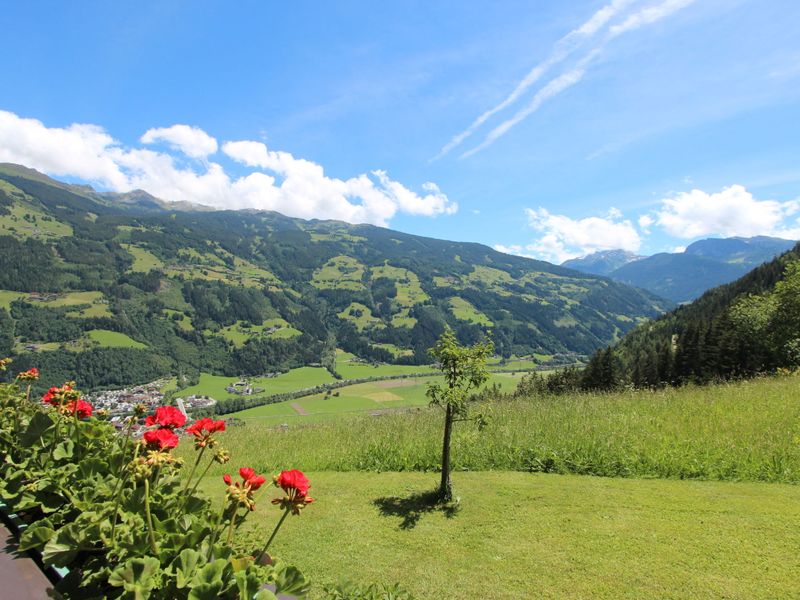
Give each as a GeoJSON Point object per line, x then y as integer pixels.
{"type": "Point", "coordinates": [561, 51]}
{"type": "Point", "coordinates": [636, 20]}
{"type": "Point", "coordinates": [553, 88]}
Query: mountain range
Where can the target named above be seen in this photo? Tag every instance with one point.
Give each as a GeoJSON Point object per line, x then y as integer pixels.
{"type": "Point", "coordinates": [122, 288]}
{"type": "Point", "coordinates": [684, 276]}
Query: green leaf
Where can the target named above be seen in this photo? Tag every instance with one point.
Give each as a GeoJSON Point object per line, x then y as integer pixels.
{"type": "Point", "coordinates": [65, 449]}
{"type": "Point", "coordinates": [248, 583]}
{"type": "Point", "coordinates": [36, 536]}
{"type": "Point", "coordinates": [265, 595]}
{"type": "Point", "coordinates": [60, 551]}
{"type": "Point", "coordinates": [185, 566]}
{"type": "Point", "coordinates": [137, 576]}
{"type": "Point", "coordinates": [38, 426]}
{"type": "Point", "coordinates": [208, 581]}
{"type": "Point", "coordinates": [289, 580]}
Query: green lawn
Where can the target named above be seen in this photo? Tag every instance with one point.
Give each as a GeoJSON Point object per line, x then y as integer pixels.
{"type": "Point", "coordinates": [113, 339]}
{"type": "Point", "coordinates": [521, 536]}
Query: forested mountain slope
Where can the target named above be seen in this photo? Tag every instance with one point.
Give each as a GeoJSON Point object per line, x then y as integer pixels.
{"type": "Point", "coordinates": [746, 327]}
{"type": "Point", "coordinates": [123, 288]}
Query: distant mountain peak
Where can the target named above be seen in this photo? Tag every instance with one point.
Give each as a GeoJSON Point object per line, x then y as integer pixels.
{"type": "Point", "coordinates": [602, 262]}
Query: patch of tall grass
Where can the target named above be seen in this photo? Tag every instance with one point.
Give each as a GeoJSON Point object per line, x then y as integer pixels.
{"type": "Point", "coordinates": [735, 431]}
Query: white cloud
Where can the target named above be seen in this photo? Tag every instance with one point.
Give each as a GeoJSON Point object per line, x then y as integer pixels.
{"type": "Point", "coordinates": [731, 212]}
{"type": "Point", "coordinates": [277, 180]}
{"type": "Point", "coordinates": [645, 222]}
{"type": "Point", "coordinates": [192, 141]}
{"type": "Point", "coordinates": [80, 150]}
{"type": "Point", "coordinates": [561, 50]}
{"type": "Point", "coordinates": [564, 238]}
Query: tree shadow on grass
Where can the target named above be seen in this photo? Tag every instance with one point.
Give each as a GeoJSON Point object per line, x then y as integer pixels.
{"type": "Point", "coordinates": [411, 508]}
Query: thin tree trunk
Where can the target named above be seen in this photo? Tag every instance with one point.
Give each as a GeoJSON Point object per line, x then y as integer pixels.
{"type": "Point", "coordinates": [446, 486]}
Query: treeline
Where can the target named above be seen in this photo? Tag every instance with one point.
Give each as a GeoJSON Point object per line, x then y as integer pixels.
{"type": "Point", "coordinates": [739, 330]}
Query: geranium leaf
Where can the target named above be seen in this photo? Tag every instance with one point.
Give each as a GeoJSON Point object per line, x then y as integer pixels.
{"type": "Point", "coordinates": [65, 449]}
{"type": "Point", "coordinates": [36, 536]}
{"type": "Point", "coordinates": [138, 576]}
{"type": "Point", "coordinates": [39, 424]}
{"type": "Point", "coordinates": [248, 584]}
{"type": "Point", "coordinates": [185, 566]}
{"type": "Point", "coordinates": [289, 580]}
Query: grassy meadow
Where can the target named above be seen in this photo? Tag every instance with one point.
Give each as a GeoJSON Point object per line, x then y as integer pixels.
{"type": "Point", "coordinates": [739, 431]}
{"type": "Point", "coordinates": [697, 499]}
{"type": "Point", "coordinates": [521, 536]}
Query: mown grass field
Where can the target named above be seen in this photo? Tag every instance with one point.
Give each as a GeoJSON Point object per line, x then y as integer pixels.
{"type": "Point", "coordinates": [361, 397]}
{"type": "Point", "coordinates": [521, 536]}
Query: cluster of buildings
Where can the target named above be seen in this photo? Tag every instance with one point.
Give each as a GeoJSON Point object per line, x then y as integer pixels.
{"type": "Point", "coordinates": [120, 403]}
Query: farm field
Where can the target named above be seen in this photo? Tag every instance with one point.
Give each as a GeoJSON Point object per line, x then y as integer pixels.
{"type": "Point", "coordinates": [520, 536]}
{"type": "Point", "coordinates": [296, 379]}
{"type": "Point", "coordinates": [360, 397]}
{"type": "Point", "coordinates": [349, 368]}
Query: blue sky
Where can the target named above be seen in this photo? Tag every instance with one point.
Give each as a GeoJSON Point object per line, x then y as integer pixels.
{"type": "Point", "coordinates": [642, 124]}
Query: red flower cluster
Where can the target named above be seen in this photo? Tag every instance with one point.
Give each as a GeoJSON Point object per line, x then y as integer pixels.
{"type": "Point", "coordinates": [163, 438]}
{"type": "Point", "coordinates": [81, 408]}
{"type": "Point", "coordinates": [203, 430]}
{"type": "Point", "coordinates": [56, 396]}
{"type": "Point", "coordinates": [242, 493]}
{"type": "Point", "coordinates": [160, 439]}
{"type": "Point", "coordinates": [29, 375]}
{"type": "Point", "coordinates": [166, 416]}
{"type": "Point", "coordinates": [295, 486]}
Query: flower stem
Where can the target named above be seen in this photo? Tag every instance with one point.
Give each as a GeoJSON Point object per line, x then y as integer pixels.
{"type": "Point", "coordinates": [194, 468]}
{"type": "Point", "coordinates": [150, 528]}
{"type": "Point", "coordinates": [274, 533]}
{"type": "Point", "coordinates": [199, 479]}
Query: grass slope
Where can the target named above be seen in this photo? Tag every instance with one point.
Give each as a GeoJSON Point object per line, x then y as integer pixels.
{"type": "Point", "coordinates": [520, 536]}
{"type": "Point", "coordinates": [741, 431]}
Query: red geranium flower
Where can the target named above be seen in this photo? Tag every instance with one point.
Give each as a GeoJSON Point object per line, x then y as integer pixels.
{"type": "Point", "coordinates": [203, 430]}
{"type": "Point", "coordinates": [166, 416]}
{"type": "Point", "coordinates": [160, 439]}
{"type": "Point", "coordinates": [242, 493]}
{"type": "Point", "coordinates": [295, 486]}
{"type": "Point", "coordinates": [31, 374]}
{"type": "Point", "coordinates": [81, 408]}
{"type": "Point", "coordinates": [293, 480]}
{"type": "Point", "coordinates": [56, 395]}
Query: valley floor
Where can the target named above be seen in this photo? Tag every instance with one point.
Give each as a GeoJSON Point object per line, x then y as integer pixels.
{"type": "Point", "coordinates": [518, 535]}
